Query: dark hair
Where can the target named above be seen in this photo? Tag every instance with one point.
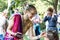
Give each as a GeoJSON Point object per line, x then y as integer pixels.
{"type": "Point", "coordinates": [50, 9]}
{"type": "Point", "coordinates": [30, 7]}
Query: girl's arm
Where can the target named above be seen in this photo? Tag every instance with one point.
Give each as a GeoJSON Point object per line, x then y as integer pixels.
{"type": "Point", "coordinates": [43, 34]}
{"type": "Point", "coordinates": [10, 27]}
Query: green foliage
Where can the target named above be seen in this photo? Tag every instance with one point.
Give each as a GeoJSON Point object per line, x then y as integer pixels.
{"type": "Point", "coordinates": [53, 3]}
{"type": "Point", "coordinates": [37, 3]}
{"type": "Point", "coordinates": [58, 5]}
{"type": "Point", "coordinates": [50, 2]}
{"type": "Point", "coordinates": [41, 5]}
{"type": "Point", "coordinates": [3, 5]}
{"type": "Point", "coordinates": [42, 25]}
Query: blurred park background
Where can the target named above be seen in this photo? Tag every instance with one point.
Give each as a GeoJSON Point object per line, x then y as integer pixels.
{"type": "Point", "coordinates": [41, 6]}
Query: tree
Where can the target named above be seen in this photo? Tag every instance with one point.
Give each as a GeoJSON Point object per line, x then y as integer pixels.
{"type": "Point", "coordinates": [15, 4]}
{"type": "Point", "coordinates": [54, 3]}
{"type": "Point", "coordinates": [58, 5]}
{"type": "Point", "coordinates": [3, 5]}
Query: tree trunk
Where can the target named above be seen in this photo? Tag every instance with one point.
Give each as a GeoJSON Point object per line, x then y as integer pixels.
{"type": "Point", "coordinates": [55, 5]}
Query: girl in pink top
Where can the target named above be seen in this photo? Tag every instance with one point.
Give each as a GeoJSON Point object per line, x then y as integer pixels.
{"type": "Point", "coordinates": [15, 26]}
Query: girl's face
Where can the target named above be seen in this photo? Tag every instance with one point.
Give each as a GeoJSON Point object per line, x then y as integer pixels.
{"type": "Point", "coordinates": [33, 12]}
{"type": "Point", "coordinates": [29, 14]}
{"type": "Point", "coordinates": [49, 13]}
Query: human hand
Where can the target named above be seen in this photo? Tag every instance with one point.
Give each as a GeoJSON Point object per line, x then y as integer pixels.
{"type": "Point", "coordinates": [43, 34]}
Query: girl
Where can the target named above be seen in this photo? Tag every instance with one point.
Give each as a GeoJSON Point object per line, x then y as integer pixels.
{"type": "Point", "coordinates": [3, 24]}
{"type": "Point", "coordinates": [34, 17]}
{"type": "Point", "coordinates": [52, 32]}
{"type": "Point", "coordinates": [14, 27]}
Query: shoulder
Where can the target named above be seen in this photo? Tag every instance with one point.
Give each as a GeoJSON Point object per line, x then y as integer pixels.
{"type": "Point", "coordinates": [56, 16]}
{"type": "Point", "coordinates": [46, 17]}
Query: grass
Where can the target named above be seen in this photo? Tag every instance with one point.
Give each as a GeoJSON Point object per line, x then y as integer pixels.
{"type": "Point", "coordinates": [26, 38]}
